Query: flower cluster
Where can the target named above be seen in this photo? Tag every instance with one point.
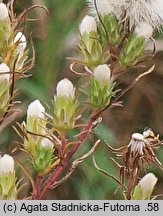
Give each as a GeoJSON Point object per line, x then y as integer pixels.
{"type": "Point", "coordinates": [40, 142]}
{"type": "Point", "coordinates": [123, 28]}
{"type": "Point", "coordinates": [101, 85]}
{"type": "Point", "coordinates": [111, 41]}
{"type": "Point", "coordinates": [13, 55]}
{"type": "Point", "coordinates": [13, 42]}
{"type": "Point", "coordinates": [115, 35]}
{"type": "Point", "coordinates": [36, 143]}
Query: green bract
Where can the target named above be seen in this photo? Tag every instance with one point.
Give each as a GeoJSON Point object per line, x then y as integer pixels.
{"type": "Point", "coordinates": [34, 125]}
{"type": "Point", "coordinates": [132, 50]}
{"type": "Point", "coordinates": [91, 50]}
{"type": "Point", "coordinates": [100, 94]}
{"type": "Point", "coordinates": [139, 195]}
{"type": "Point", "coordinates": [4, 96]}
{"type": "Point", "coordinates": [7, 186]}
{"type": "Point", "coordinates": [113, 30]}
{"type": "Point", "coordinates": [64, 113]}
{"type": "Point", "coordinates": [43, 159]}
{"type": "Point", "coordinates": [5, 32]}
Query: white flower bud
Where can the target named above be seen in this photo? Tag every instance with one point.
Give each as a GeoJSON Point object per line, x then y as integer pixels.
{"type": "Point", "coordinates": [22, 42]}
{"type": "Point", "coordinates": [144, 30]}
{"type": "Point", "coordinates": [46, 143]}
{"type": "Point", "coordinates": [36, 109]}
{"type": "Point", "coordinates": [147, 183]}
{"type": "Point", "coordinates": [3, 12]}
{"type": "Point", "coordinates": [4, 69]}
{"type": "Point", "coordinates": [88, 25]}
{"type": "Point", "coordinates": [65, 88]}
{"type": "Point", "coordinates": [6, 164]}
{"type": "Point", "coordinates": [102, 73]}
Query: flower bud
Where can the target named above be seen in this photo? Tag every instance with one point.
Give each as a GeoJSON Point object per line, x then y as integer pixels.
{"type": "Point", "coordinates": [144, 30]}
{"type": "Point", "coordinates": [3, 12]}
{"type": "Point", "coordinates": [6, 164]}
{"type": "Point", "coordinates": [65, 106]}
{"type": "Point", "coordinates": [46, 143]}
{"type": "Point", "coordinates": [8, 189]}
{"type": "Point", "coordinates": [102, 73]}
{"type": "Point", "coordinates": [65, 88]}
{"type": "Point", "coordinates": [145, 187]}
{"type": "Point", "coordinates": [36, 109]}
{"type": "Point", "coordinates": [21, 40]}
{"type": "Point", "coordinates": [36, 124]}
{"type": "Point", "coordinates": [148, 182]}
{"type": "Point", "coordinates": [101, 87]}
{"type": "Point", "coordinates": [88, 25]}
{"type": "Point", "coordinates": [4, 69]}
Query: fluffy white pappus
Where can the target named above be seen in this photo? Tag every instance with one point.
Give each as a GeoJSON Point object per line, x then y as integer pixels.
{"type": "Point", "coordinates": [6, 164]}
{"type": "Point", "coordinates": [138, 136]}
{"type": "Point", "coordinates": [104, 7]}
{"type": "Point", "coordinates": [4, 72]}
{"type": "Point", "coordinates": [88, 25]}
{"type": "Point", "coordinates": [144, 30]}
{"type": "Point", "coordinates": [36, 109]}
{"type": "Point", "coordinates": [46, 143]}
{"type": "Point", "coordinates": [65, 88]}
{"type": "Point", "coordinates": [3, 12]}
{"type": "Point", "coordinates": [149, 11]}
{"type": "Point", "coordinates": [21, 39]}
{"type": "Point", "coordinates": [102, 73]}
{"type": "Point", "coordinates": [135, 11]}
{"type": "Point", "coordinates": [148, 183]}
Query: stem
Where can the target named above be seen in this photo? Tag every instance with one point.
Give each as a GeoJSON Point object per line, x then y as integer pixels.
{"type": "Point", "coordinates": [37, 187]}
{"type": "Point", "coordinates": [63, 147]}
{"type": "Point", "coordinates": [60, 169]}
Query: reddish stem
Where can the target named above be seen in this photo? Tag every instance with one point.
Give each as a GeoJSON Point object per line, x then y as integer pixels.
{"type": "Point", "coordinates": [37, 187]}
{"type": "Point", "coordinates": [63, 147]}
{"type": "Point", "coordinates": [60, 169]}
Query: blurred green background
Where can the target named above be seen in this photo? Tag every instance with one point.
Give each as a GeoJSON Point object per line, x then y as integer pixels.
{"type": "Point", "coordinates": [55, 38]}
